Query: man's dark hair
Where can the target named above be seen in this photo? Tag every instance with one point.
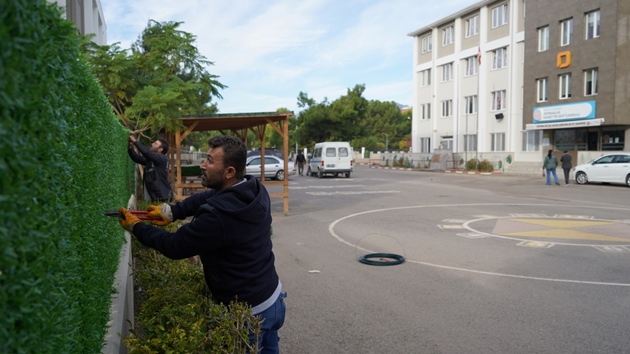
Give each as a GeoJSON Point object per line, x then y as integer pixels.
{"type": "Point", "coordinates": [234, 152]}
{"type": "Point", "coordinates": [164, 146]}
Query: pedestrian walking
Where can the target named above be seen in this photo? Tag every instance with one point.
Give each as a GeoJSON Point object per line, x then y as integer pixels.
{"type": "Point", "coordinates": [300, 159]}
{"type": "Point", "coordinates": [566, 166]}
{"type": "Point", "coordinates": [550, 164]}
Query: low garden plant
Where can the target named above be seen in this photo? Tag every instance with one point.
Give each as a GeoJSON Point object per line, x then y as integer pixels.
{"type": "Point", "coordinates": [175, 312]}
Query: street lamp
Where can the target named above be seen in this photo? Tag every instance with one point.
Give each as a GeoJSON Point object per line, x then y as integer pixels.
{"type": "Point", "coordinates": [386, 141]}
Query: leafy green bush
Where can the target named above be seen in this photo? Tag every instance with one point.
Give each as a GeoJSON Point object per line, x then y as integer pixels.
{"type": "Point", "coordinates": [471, 165]}
{"type": "Point", "coordinates": [176, 313]}
{"type": "Point", "coordinates": [62, 162]}
{"type": "Point", "coordinates": [486, 166]}
{"type": "Point", "coordinates": [482, 166]}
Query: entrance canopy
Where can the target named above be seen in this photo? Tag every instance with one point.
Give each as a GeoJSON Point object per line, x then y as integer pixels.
{"type": "Point", "coordinates": [236, 124]}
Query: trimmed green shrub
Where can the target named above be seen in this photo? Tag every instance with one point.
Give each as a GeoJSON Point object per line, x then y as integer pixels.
{"type": "Point", "coordinates": [63, 161]}
{"type": "Point", "coordinates": [486, 166]}
{"type": "Point", "coordinates": [175, 313]}
{"type": "Point", "coordinates": [471, 165]}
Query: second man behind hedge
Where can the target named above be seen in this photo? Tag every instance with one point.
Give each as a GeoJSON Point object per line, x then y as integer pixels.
{"type": "Point", "coordinates": [155, 162]}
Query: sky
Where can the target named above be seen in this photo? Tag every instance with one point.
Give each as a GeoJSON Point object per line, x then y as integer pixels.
{"type": "Point", "coordinates": [268, 51]}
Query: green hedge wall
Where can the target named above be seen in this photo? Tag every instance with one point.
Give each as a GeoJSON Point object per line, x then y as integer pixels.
{"type": "Point", "coordinates": [63, 160]}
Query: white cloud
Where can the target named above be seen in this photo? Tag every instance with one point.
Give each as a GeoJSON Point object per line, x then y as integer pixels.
{"type": "Point", "coordinates": [267, 52]}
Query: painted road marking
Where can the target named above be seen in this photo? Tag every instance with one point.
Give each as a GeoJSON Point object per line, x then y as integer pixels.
{"type": "Point", "coordinates": [529, 215]}
{"type": "Point", "coordinates": [565, 216]}
{"type": "Point", "coordinates": [329, 187]}
{"type": "Point", "coordinates": [568, 229]}
{"type": "Point", "coordinates": [612, 249]}
{"type": "Point", "coordinates": [457, 221]}
{"type": "Point", "coordinates": [451, 226]}
{"type": "Point", "coordinates": [351, 192]}
{"type": "Point", "coordinates": [536, 244]}
{"type": "Point", "coordinates": [473, 235]}
{"type": "Point", "coordinates": [331, 230]}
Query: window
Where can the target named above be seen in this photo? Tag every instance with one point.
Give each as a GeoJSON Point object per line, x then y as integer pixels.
{"type": "Point", "coordinates": [470, 142]}
{"type": "Point", "coordinates": [472, 66]}
{"type": "Point", "coordinates": [447, 108]}
{"type": "Point", "coordinates": [331, 152]}
{"type": "Point", "coordinates": [425, 145]}
{"type": "Point", "coordinates": [425, 111]}
{"type": "Point", "coordinates": [531, 141]}
{"type": "Point", "coordinates": [566, 32]}
{"type": "Point", "coordinates": [590, 82]}
{"type": "Point", "coordinates": [472, 26]}
{"type": "Point", "coordinates": [564, 139]}
{"type": "Point", "coordinates": [499, 58]}
{"type": "Point", "coordinates": [447, 72]}
{"type": "Point", "coordinates": [542, 90]}
{"type": "Point", "coordinates": [471, 104]}
{"type": "Point", "coordinates": [613, 139]}
{"type": "Point", "coordinates": [343, 152]}
{"type": "Point", "coordinates": [565, 86]}
{"type": "Point", "coordinates": [447, 35]}
{"type": "Point", "coordinates": [592, 24]}
{"type": "Point", "coordinates": [425, 77]}
{"type": "Point", "coordinates": [498, 100]}
{"type": "Point", "coordinates": [427, 44]}
{"type": "Point", "coordinates": [622, 159]}
{"type": "Point", "coordinates": [447, 143]}
{"type": "Point", "coordinates": [499, 16]}
{"type": "Point", "coordinates": [497, 142]}
{"type": "Point", "coordinates": [543, 39]}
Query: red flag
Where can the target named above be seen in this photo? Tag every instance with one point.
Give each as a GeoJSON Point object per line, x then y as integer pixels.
{"type": "Point", "coordinates": [479, 55]}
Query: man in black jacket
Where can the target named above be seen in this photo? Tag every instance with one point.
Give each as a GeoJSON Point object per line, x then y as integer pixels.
{"type": "Point", "coordinates": [155, 164]}
{"type": "Point", "coordinates": [230, 232]}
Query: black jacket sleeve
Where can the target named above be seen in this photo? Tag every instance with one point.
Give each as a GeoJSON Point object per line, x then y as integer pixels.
{"type": "Point", "coordinates": [203, 234]}
{"type": "Point", "coordinates": [190, 206]}
{"type": "Point", "coordinates": [137, 158]}
{"type": "Point", "coordinates": [159, 160]}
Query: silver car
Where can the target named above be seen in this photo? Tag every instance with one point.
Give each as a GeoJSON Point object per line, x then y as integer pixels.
{"type": "Point", "coordinates": [613, 168]}
{"type": "Point", "coordinates": [274, 167]}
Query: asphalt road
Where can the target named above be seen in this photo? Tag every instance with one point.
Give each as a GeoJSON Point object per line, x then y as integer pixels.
{"type": "Point", "coordinates": [494, 264]}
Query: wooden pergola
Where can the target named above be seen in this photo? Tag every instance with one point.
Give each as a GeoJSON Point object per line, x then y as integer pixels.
{"type": "Point", "coordinates": [236, 124]}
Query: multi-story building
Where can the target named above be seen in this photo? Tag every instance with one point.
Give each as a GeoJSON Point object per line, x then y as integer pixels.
{"type": "Point", "coordinates": [577, 75]}
{"type": "Point", "coordinates": [468, 80]}
{"type": "Point", "coordinates": [87, 15]}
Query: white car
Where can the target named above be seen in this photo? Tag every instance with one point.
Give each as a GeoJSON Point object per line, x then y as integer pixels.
{"type": "Point", "coordinates": [613, 168]}
{"type": "Point", "coordinates": [274, 167]}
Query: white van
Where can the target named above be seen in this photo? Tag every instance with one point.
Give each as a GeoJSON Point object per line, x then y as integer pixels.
{"type": "Point", "coordinates": [330, 157]}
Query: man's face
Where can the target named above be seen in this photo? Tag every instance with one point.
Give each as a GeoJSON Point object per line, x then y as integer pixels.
{"type": "Point", "coordinates": [212, 169]}
{"type": "Point", "coordinates": [156, 145]}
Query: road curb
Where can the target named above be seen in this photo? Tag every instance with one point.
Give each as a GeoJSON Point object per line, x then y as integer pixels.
{"type": "Point", "coordinates": [493, 173]}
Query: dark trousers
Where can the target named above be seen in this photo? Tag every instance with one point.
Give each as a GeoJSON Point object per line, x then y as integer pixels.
{"type": "Point", "coordinates": [566, 175]}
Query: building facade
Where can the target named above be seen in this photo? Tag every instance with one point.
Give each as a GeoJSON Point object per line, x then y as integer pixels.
{"type": "Point", "coordinates": [577, 75]}
{"type": "Point", "coordinates": [87, 15]}
{"type": "Point", "coordinates": [468, 81]}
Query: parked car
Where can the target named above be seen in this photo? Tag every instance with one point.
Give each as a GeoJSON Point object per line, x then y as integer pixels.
{"type": "Point", "coordinates": [613, 168]}
{"type": "Point", "coordinates": [274, 167]}
{"type": "Point", "coordinates": [268, 151]}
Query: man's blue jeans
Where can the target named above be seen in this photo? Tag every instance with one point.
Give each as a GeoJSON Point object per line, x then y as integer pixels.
{"type": "Point", "coordinates": [555, 176]}
{"type": "Point", "coordinates": [273, 319]}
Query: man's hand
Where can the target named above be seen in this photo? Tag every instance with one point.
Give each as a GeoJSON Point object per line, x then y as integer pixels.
{"type": "Point", "coordinates": [129, 221]}
{"type": "Point", "coordinates": [162, 212]}
{"type": "Point", "coordinates": [132, 138]}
